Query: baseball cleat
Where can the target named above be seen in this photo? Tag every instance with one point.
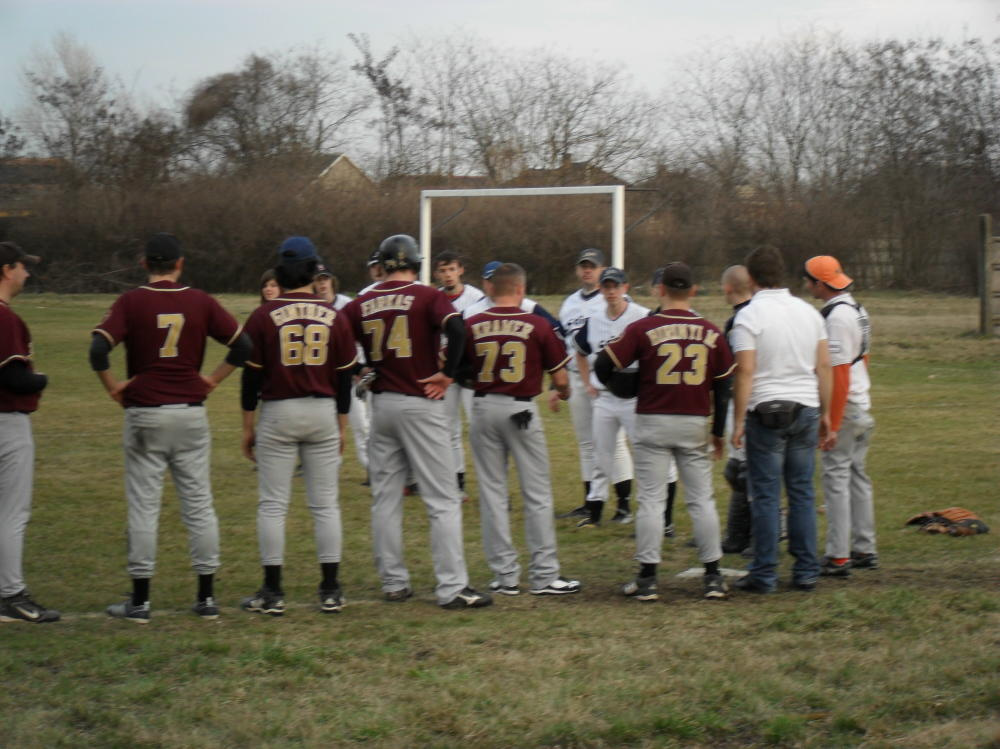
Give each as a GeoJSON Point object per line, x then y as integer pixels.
{"type": "Point", "coordinates": [668, 530]}
{"type": "Point", "coordinates": [579, 512]}
{"type": "Point", "coordinates": [468, 598]}
{"type": "Point", "coordinates": [265, 601]}
{"type": "Point", "coordinates": [206, 609]}
{"type": "Point", "coordinates": [830, 567]}
{"type": "Point", "coordinates": [21, 608]}
{"type": "Point", "coordinates": [622, 517]}
{"type": "Point", "coordinates": [504, 590]}
{"type": "Point", "coordinates": [715, 588]}
{"type": "Point", "coordinates": [558, 587]}
{"type": "Point", "coordinates": [641, 589]}
{"type": "Point", "coordinates": [861, 561]}
{"type": "Point", "coordinates": [395, 596]}
{"type": "Point", "coordinates": [589, 522]}
{"type": "Point", "coordinates": [130, 611]}
{"type": "Point", "coordinates": [331, 601]}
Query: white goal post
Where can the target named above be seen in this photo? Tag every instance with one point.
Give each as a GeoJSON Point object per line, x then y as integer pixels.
{"type": "Point", "coordinates": [617, 193]}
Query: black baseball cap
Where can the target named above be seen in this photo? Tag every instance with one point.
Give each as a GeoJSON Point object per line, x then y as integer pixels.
{"type": "Point", "coordinates": [677, 276]}
{"type": "Point", "coordinates": [657, 277]}
{"type": "Point", "coordinates": [591, 255]}
{"type": "Point", "coordinates": [163, 246]}
{"type": "Point", "coordinates": [375, 258]}
{"type": "Point", "coordinates": [613, 274]}
{"type": "Point", "coordinates": [322, 269]}
{"type": "Point", "coordinates": [11, 253]}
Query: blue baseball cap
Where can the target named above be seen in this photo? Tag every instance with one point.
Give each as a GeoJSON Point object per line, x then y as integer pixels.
{"type": "Point", "coordinates": [613, 274]}
{"type": "Point", "coordinates": [295, 249]}
{"type": "Point", "coordinates": [490, 268]}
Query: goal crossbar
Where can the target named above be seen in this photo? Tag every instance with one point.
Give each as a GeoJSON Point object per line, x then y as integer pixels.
{"type": "Point", "coordinates": [617, 193]}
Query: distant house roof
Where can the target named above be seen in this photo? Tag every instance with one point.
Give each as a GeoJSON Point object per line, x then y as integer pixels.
{"type": "Point", "coordinates": [438, 181]}
{"type": "Point", "coordinates": [570, 173]}
{"type": "Point", "coordinates": [343, 174]}
{"type": "Point", "coordinates": [22, 179]}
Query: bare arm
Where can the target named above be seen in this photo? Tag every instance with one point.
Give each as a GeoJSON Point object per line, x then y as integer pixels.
{"type": "Point", "coordinates": [584, 367]}
{"type": "Point", "coordinates": [824, 373]}
{"type": "Point", "coordinates": [746, 365]}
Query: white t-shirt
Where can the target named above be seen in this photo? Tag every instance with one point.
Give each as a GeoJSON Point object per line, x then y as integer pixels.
{"type": "Point", "coordinates": [599, 329]}
{"type": "Point", "coordinates": [849, 332]}
{"type": "Point", "coordinates": [784, 331]}
{"type": "Point", "coordinates": [340, 301]}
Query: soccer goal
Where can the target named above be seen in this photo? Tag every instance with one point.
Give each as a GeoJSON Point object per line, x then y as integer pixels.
{"type": "Point", "coordinates": [617, 193]}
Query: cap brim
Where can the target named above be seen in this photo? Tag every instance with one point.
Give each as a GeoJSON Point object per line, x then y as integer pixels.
{"type": "Point", "coordinates": [33, 259]}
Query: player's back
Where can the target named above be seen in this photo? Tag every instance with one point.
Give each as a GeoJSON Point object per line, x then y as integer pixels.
{"type": "Point", "coordinates": [164, 326]}
{"type": "Point", "coordinates": [398, 324]}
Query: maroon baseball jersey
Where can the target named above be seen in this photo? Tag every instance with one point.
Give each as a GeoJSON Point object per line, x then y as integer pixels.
{"type": "Point", "coordinates": [398, 324]}
{"type": "Point", "coordinates": [164, 326]}
{"type": "Point", "coordinates": [680, 354]}
{"type": "Point", "coordinates": [510, 350]}
{"type": "Point", "coordinates": [300, 342]}
{"type": "Point", "coordinates": [15, 345]}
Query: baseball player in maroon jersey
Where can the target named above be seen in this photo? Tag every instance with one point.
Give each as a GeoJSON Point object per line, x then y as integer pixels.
{"type": "Point", "coordinates": [301, 366]}
{"type": "Point", "coordinates": [164, 326]}
{"type": "Point", "coordinates": [509, 350]}
{"type": "Point", "coordinates": [20, 390]}
{"type": "Point", "coordinates": [684, 364]}
{"type": "Point", "coordinates": [399, 323]}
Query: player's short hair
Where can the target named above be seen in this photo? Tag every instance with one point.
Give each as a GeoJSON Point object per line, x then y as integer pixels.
{"type": "Point", "coordinates": [447, 257]}
{"type": "Point", "coordinates": [737, 277]}
{"type": "Point", "coordinates": [766, 267]}
{"type": "Point", "coordinates": [296, 274]}
{"type": "Point", "coordinates": [161, 267]}
{"type": "Point", "coordinates": [507, 278]}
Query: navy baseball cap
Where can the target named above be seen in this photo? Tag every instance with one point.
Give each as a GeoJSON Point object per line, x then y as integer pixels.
{"type": "Point", "coordinates": [163, 246]}
{"type": "Point", "coordinates": [294, 249]}
{"type": "Point", "coordinates": [677, 276]}
{"type": "Point", "coordinates": [11, 253]}
{"type": "Point", "coordinates": [591, 255]}
{"type": "Point", "coordinates": [490, 268]}
{"type": "Point", "coordinates": [613, 274]}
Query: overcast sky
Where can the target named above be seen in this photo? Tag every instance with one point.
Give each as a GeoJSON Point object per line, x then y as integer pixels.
{"type": "Point", "coordinates": [160, 48]}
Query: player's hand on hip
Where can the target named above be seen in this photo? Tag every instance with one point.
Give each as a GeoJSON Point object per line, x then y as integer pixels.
{"type": "Point", "coordinates": [210, 384]}
{"type": "Point", "coordinates": [247, 443]}
{"type": "Point", "coordinates": [717, 443]}
{"type": "Point", "coordinates": [436, 385]}
{"type": "Point", "coordinates": [117, 391]}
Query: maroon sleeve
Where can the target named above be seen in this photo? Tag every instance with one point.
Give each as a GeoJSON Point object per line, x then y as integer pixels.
{"type": "Point", "coordinates": [723, 362]}
{"type": "Point", "coordinates": [554, 356]}
{"type": "Point", "coordinates": [346, 353]}
{"type": "Point", "coordinates": [255, 333]}
{"type": "Point", "coordinates": [439, 310]}
{"type": "Point", "coordinates": [222, 326]}
{"type": "Point", "coordinates": [114, 326]}
{"type": "Point", "coordinates": [624, 349]}
{"type": "Point", "coordinates": [15, 343]}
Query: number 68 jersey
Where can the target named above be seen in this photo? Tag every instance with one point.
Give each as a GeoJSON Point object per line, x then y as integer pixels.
{"type": "Point", "coordinates": [164, 326]}
{"type": "Point", "coordinates": [680, 355]}
{"type": "Point", "coordinates": [301, 343]}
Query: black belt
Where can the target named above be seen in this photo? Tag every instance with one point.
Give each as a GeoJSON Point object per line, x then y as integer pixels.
{"type": "Point", "coordinates": [522, 398]}
{"type": "Point", "coordinates": [158, 405]}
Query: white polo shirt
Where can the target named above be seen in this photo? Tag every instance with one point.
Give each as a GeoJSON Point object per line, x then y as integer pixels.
{"type": "Point", "coordinates": [849, 332]}
{"type": "Point", "coordinates": [784, 331]}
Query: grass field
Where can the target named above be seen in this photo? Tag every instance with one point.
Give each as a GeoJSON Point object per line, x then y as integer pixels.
{"type": "Point", "coordinates": [905, 656]}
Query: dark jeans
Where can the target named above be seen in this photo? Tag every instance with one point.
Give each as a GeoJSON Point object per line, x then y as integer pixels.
{"type": "Point", "coordinates": [774, 455]}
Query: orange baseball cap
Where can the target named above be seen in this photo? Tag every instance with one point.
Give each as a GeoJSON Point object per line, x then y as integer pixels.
{"type": "Point", "coordinates": [826, 268]}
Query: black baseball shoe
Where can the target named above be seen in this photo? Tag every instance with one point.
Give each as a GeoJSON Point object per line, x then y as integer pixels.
{"type": "Point", "coordinates": [829, 567]}
{"type": "Point", "coordinates": [668, 531]}
{"type": "Point", "coordinates": [396, 596]}
{"type": "Point", "coordinates": [622, 517]}
{"type": "Point", "coordinates": [130, 611]}
{"type": "Point", "coordinates": [265, 601]}
{"type": "Point", "coordinates": [504, 590]}
{"type": "Point", "coordinates": [715, 588]}
{"type": "Point", "coordinates": [578, 512]}
{"type": "Point", "coordinates": [331, 601]}
{"type": "Point", "coordinates": [558, 587]}
{"type": "Point", "coordinates": [862, 561]}
{"type": "Point", "coordinates": [467, 598]}
{"type": "Point", "coordinates": [641, 589]}
{"type": "Point", "coordinates": [21, 608]}
{"type": "Point", "coordinates": [589, 522]}
{"type": "Point", "coordinates": [206, 609]}
{"type": "Point", "coordinates": [748, 585]}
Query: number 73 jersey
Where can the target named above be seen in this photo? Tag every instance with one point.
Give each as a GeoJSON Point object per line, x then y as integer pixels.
{"type": "Point", "coordinates": [680, 355]}
{"type": "Point", "coordinates": [164, 326]}
{"type": "Point", "coordinates": [300, 342]}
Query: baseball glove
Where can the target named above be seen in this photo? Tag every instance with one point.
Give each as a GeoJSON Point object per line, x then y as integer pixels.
{"type": "Point", "coordinates": [623, 384]}
{"type": "Point", "coordinates": [955, 521]}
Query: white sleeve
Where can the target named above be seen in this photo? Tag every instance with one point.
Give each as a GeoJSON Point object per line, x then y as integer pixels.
{"type": "Point", "coordinates": [840, 338]}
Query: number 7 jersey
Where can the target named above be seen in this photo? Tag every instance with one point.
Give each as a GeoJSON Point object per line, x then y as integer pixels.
{"type": "Point", "coordinates": [164, 326]}
{"type": "Point", "coordinates": [680, 355]}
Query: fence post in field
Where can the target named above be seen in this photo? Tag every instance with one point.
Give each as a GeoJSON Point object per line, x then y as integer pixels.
{"type": "Point", "coordinates": [989, 278]}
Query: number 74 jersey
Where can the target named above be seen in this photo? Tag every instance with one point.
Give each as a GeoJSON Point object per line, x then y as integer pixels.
{"type": "Point", "coordinates": [680, 355]}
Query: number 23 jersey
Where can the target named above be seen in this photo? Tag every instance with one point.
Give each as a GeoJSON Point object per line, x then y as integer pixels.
{"type": "Point", "coordinates": [680, 354]}
{"type": "Point", "coordinates": [301, 343]}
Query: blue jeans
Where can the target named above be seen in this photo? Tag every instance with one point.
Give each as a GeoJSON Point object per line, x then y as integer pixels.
{"type": "Point", "coordinates": [773, 454]}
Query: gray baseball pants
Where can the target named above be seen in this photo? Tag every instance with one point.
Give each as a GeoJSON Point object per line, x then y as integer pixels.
{"type": "Point", "coordinates": [458, 398]}
{"type": "Point", "coordinates": [686, 438]}
{"type": "Point", "coordinates": [175, 436]}
{"type": "Point", "coordinates": [494, 438]}
{"type": "Point", "coordinates": [411, 434]}
{"type": "Point", "coordinates": [17, 463]}
{"type": "Point", "coordinates": [291, 430]}
{"type": "Point", "coordinates": [850, 510]}
{"type": "Point", "coordinates": [358, 419]}
{"type": "Point", "coordinates": [581, 410]}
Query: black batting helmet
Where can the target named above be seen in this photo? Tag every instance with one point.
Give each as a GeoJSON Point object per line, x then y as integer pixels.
{"type": "Point", "coordinates": [400, 252]}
